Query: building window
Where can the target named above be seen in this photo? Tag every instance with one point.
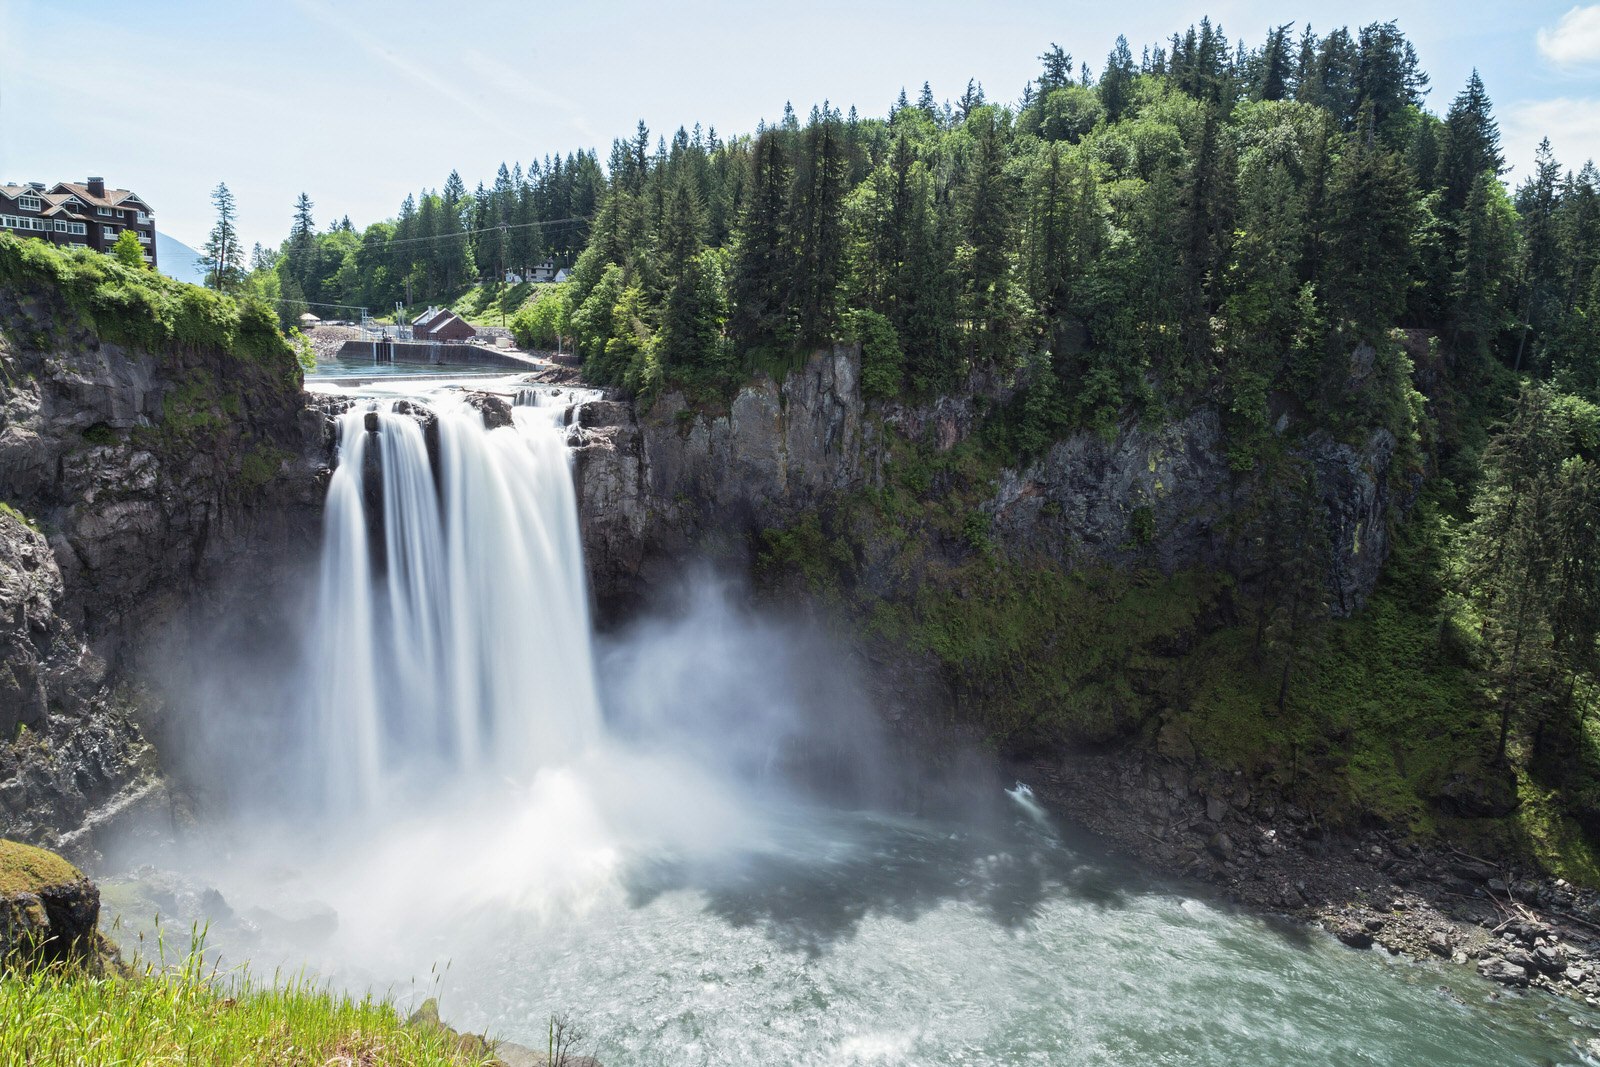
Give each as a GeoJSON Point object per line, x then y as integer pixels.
{"type": "Point", "coordinates": [79, 228]}
{"type": "Point", "coordinates": [30, 203]}
{"type": "Point", "coordinates": [104, 211]}
{"type": "Point", "coordinates": [108, 232]}
{"type": "Point", "coordinates": [22, 222]}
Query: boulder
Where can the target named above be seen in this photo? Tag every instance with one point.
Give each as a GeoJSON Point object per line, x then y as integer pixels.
{"type": "Point", "coordinates": [49, 912]}
{"type": "Point", "coordinates": [1550, 959]}
{"type": "Point", "coordinates": [1353, 935]}
{"type": "Point", "coordinates": [494, 409]}
{"type": "Point", "coordinates": [1503, 971]}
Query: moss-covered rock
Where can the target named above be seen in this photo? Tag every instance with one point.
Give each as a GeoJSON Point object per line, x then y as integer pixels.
{"type": "Point", "coordinates": [48, 909]}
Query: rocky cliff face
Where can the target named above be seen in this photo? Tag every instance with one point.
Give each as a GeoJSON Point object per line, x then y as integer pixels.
{"type": "Point", "coordinates": [679, 479]}
{"type": "Point", "coordinates": [147, 471]}
{"type": "Point", "coordinates": [135, 481]}
{"type": "Point", "coordinates": [682, 480]}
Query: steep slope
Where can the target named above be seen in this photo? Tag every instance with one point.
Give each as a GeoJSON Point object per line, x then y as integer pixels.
{"type": "Point", "coordinates": [153, 440]}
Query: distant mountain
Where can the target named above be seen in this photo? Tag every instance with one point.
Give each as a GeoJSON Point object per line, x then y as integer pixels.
{"type": "Point", "coordinates": [178, 260]}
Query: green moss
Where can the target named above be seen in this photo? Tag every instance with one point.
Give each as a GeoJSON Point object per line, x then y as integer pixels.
{"type": "Point", "coordinates": [7, 509]}
{"type": "Point", "coordinates": [260, 466]}
{"type": "Point", "coordinates": [1548, 834]}
{"type": "Point", "coordinates": [26, 869]}
{"type": "Point", "coordinates": [145, 309]}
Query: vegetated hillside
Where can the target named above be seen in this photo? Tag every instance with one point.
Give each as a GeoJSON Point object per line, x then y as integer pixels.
{"type": "Point", "coordinates": [1278, 248]}
{"type": "Point", "coordinates": [1282, 237]}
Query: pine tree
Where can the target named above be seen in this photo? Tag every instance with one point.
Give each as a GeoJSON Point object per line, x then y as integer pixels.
{"type": "Point", "coordinates": [764, 257]}
{"type": "Point", "coordinates": [1116, 84]}
{"type": "Point", "coordinates": [818, 212]}
{"type": "Point", "coordinates": [1370, 217]}
{"type": "Point", "coordinates": [455, 190]}
{"type": "Point", "coordinates": [304, 227]}
{"type": "Point", "coordinates": [1388, 79]}
{"type": "Point", "coordinates": [1541, 306]}
{"type": "Point", "coordinates": [1512, 543]}
{"type": "Point", "coordinates": [1482, 282]}
{"type": "Point", "coordinates": [222, 256]}
{"type": "Point", "coordinates": [1274, 66]}
{"type": "Point", "coordinates": [1471, 144]}
{"type": "Point", "coordinates": [987, 204]}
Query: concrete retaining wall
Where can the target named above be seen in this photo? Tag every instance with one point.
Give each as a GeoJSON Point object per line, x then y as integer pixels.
{"type": "Point", "coordinates": [435, 353]}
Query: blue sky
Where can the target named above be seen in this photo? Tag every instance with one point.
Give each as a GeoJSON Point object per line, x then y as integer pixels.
{"type": "Point", "coordinates": [359, 102]}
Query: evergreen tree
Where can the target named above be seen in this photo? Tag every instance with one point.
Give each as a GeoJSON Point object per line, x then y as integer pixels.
{"type": "Point", "coordinates": [222, 257]}
{"type": "Point", "coordinates": [764, 258]}
{"type": "Point", "coordinates": [1471, 145]}
{"type": "Point", "coordinates": [1274, 66]}
{"type": "Point", "coordinates": [818, 213]}
{"type": "Point", "coordinates": [1116, 84]}
{"type": "Point", "coordinates": [1366, 239]}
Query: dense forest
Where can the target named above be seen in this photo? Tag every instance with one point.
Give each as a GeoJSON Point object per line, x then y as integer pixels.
{"type": "Point", "coordinates": [1285, 233]}
{"type": "Point", "coordinates": [441, 243]}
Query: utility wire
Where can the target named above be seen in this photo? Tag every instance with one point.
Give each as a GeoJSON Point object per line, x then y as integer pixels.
{"type": "Point", "coordinates": [490, 229]}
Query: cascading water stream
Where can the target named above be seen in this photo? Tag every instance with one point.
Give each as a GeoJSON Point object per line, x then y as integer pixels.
{"type": "Point", "coordinates": [452, 636]}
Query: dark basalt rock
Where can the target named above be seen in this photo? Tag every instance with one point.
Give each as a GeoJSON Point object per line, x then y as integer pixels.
{"type": "Point", "coordinates": [495, 410]}
{"type": "Point", "coordinates": [1353, 935]}
{"type": "Point", "coordinates": [1497, 969]}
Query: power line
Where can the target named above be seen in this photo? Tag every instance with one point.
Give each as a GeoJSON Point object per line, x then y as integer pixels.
{"type": "Point", "coordinates": [319, 304]}
{"type": "Point", "coordinates": [488, 229]}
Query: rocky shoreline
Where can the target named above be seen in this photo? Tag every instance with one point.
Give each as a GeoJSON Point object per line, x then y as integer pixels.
{"type": "Point", "coordinates": [1375, 889]}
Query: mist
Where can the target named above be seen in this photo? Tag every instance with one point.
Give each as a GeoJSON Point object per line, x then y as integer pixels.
{"type": "Point", "coordinates": [437, 747]}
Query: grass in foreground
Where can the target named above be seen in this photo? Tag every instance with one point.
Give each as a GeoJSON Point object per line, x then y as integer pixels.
{"type": "Point", "coordinates": [61, 1017]}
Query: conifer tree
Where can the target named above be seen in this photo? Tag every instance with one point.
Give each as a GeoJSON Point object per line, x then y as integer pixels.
{"type": "Point", "coordinates": [223, 258]}
{"type": "Point", "coordinates": [1116, 84]}
{"type": "Point", "coordinates": [1471, 144]}
{"type": "Point", "coordinates": [764, 258]}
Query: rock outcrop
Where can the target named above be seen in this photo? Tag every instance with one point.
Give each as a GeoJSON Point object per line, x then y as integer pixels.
{"type": "Point", "coordinates": [73, 746]}
{"type": "Point", "coordinates": [149, 495]}
{"type": "Point", "coordinates": [680, 478]}
{"type": "Point", "coordinates": [147, 471]}
{"type": "Point", "coordinates": [49, 912]}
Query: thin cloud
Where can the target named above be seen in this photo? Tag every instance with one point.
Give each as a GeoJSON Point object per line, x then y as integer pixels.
{"type": "Point", "coordinates": [509, 82]}
{"type": "Point", "coordinates": [363, 38]}
{"type": "Point", "coordinates": [1573, 126]}
{"type": "Point", "coordinates": [1576, 39]}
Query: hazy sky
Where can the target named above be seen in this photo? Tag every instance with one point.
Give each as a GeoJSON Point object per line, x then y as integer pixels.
{"type": "Point", "coordinates": [358, 102]}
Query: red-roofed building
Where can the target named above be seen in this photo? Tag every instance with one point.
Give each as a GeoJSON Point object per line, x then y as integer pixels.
{"type": "Point", "coordinates": [439, 325]}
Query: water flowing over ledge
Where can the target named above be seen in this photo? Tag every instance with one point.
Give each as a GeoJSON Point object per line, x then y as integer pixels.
{"type": "Point", "coordinates": [452, 629]}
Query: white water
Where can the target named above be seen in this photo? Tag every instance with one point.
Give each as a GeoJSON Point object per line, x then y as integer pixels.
{"type": "Point", "coordinates": [651, 872]}
{"type": "Point", "coordinates": [460, 646]}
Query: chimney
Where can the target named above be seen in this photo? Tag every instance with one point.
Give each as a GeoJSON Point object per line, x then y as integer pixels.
{"type": "Point", "coordinates": [97, 187]}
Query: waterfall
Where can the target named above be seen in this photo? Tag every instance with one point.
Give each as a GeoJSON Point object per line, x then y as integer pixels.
{"type": "Point", "coordinates": [452, 634]}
